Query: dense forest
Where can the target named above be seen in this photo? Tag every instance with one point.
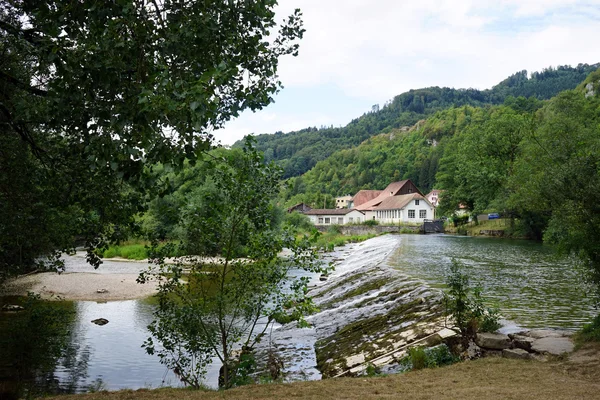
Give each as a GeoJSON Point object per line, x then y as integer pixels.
{"type": "Point", "coordinates": [298, 152]}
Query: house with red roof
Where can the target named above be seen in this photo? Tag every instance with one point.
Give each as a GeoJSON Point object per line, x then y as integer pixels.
{"type": "Point", "coordinates": [399, 202]}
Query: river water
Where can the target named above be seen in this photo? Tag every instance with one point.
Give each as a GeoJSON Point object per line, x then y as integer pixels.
{"type": "Point", "coordinates": [530, 285]}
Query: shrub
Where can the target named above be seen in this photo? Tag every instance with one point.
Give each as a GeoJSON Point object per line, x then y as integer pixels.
{"type": "Point", "coordinates": [465, 305]}
{"type": "Point", "coordinates": [298, 221]}
{"type": "Point", "coordinates": [370, 222]}
{"type": "Point", "coordinates": [372, 370]}
{"type": "Point", "coordinates": [458, 220]}
{"type": "Point", "coordinates": [420, 357]}
{"type": "Point", "coordinates": [590, 332]}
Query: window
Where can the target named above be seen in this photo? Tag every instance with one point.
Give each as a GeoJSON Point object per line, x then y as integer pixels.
{"type": "Point", "coordinates": [416, 202]}
{"type": "Point", "coordinates": [320, 220]}
{"type": "Point", "coordinates": [350, 219]}
{"type": "Point", "coordinates": [411, 213]}
{"type": "Point", "coordinates": [422, 214]}
{"type": "Point", "coordinates": [327, 220]}
{"type": "Point", "coordinates": [341, 220]}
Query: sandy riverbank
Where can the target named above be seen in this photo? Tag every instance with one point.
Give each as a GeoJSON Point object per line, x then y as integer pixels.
{"type": "Point", "coordinates": [80, 286]}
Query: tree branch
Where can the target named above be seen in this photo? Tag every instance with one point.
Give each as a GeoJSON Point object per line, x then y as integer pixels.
{"type": "Point", "coordinates": [8, 78]}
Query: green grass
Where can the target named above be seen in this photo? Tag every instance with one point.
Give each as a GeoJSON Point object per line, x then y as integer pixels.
{"type": "Point", "coordinates": [589, 333]}
{"type": "Point", "coordinates": [131, 250]}
{"type": "Point", "coordinates": [329, 240]}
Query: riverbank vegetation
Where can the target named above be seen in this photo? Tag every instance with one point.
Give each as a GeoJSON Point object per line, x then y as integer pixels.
{"type": "Point", "coordinates": [217, 308]}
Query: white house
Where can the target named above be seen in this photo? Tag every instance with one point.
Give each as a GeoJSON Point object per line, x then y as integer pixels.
{"type": "Point", "coordinates": [406, 208]}
{"type": "Point", "coordinates": [400, 202]}
{"type": "Point", "coordinates": [434, 197]}
{"type": "Point", "coordinates": [340, 216]}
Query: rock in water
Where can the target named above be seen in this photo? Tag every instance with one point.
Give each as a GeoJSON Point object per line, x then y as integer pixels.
{"type": "Point", "coordinates": [100, 321]}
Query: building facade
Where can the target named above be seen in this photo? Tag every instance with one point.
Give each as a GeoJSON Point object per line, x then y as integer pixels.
{"type": "Point", "coordinates": [340, 216]}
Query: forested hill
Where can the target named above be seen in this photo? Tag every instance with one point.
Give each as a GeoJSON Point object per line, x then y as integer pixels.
{"type": "Point", "coordinates": [299, 151]}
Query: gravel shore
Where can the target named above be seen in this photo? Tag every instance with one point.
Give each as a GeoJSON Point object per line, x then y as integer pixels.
{"type": "Point", "coordinates": [81, 286]}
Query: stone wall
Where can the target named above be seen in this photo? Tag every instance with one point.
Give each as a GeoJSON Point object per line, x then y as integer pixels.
{"type": "Point", "coordinates": [376, 230]}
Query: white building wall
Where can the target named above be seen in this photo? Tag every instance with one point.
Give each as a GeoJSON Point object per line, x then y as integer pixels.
{"type": "Point", "coordinates": [325, 219]}
{"type": "Point", "coordinates": [402, 215]}
{"type": "Point", "coordinates": [423, 205]}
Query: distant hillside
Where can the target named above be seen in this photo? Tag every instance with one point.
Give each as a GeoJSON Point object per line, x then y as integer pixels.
{"type": "Point", "coordinates": [298, 152]}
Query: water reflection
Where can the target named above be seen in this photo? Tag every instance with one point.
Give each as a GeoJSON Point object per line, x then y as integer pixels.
{"type": "Point", "coordinates": [525, 279]}
{"type": "Point", "coordinates": [32, 343]}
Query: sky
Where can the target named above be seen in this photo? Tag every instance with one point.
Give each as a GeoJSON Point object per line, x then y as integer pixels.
{"type": "Point", "coordinates": [358, 53]}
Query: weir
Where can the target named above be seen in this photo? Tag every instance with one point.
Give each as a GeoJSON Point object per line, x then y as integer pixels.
{"type": "Point", "coordinates": [368, 309]}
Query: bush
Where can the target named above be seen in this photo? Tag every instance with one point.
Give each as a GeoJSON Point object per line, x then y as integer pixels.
{"type": "Point", "coordinates": [465, 305]}
{"type": "Point", "coordinates": [420, 357]}
{"type": "Point", "coordinates": [590, 332]}
{"type": "Point", "coordinates": [459, 220]}
{"type": "Point", "coordinates": [298, 221]}
{"type": "Point", "coordinates": [370, 222]}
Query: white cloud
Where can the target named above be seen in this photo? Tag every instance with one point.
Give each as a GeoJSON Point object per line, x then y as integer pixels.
{"type": "Point", "coordinates": [375, 49]}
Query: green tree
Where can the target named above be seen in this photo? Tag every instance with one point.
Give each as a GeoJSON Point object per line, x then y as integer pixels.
{"type": "Point", "coordinates": [93, 93]}
{"type": "Point", "coordinates": [227, 302]}
{"type": "Point", "coordinates": [559, 173]}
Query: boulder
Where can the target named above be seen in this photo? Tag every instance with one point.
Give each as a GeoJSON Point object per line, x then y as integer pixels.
{"type": "Point", "coordinates": [522, 342]}
{"type": "Point", "coordinates": [100, 321]}
{"type": "Point", "coordinates": [518, 354]}
{"type": "Point", "coordinates": [493, 341]}
{"type": "Point", "coordinates": [553, 345]}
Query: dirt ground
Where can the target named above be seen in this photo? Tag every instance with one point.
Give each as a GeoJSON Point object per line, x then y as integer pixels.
{"type": "Point", "coordinates": [574, 377]}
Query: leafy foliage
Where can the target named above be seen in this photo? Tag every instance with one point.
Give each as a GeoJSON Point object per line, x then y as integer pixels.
{"type": "Point", "coordinates": [298, 152]}
{"type": "Point", "coordinates": [420, 357]}
{"type": "Point", "coordinates": [93, 94]}
{"type": "Point", "coordinates": [559, 169]}
{"type": "Point", "coordinates": [209, 305]}
{"type": "Point", "coordinates": [590, 332]}
{"type": "Point", "coordinates": [465, 306]}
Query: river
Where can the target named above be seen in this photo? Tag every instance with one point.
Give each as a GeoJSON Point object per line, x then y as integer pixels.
{"type": "Point", "coordinates": [530, 285]}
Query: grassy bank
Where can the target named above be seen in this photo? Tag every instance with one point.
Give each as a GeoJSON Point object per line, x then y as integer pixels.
{"type": "Point", "coordinates": [131, 250]}
{"type": "Point", "coordinates": [332, 238]}
{"type": "Point", "coordinates": [491, 378]}
{"type": "Point", "coordinates": [473, 229]}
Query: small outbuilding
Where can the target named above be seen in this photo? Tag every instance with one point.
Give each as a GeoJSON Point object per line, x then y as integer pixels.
{"type": "Point", "coordinates": [340, 216]}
